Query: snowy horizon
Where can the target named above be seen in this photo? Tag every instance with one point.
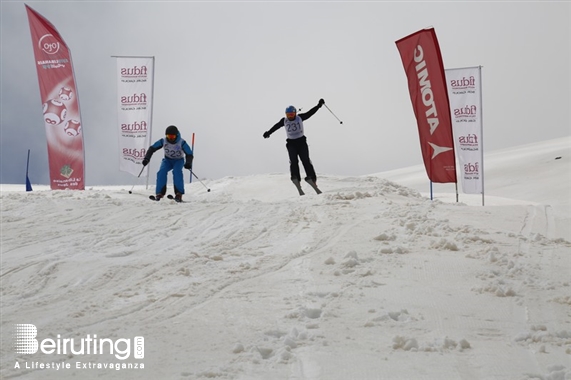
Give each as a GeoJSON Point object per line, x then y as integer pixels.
{"type": "Point", "coordinates": [369, 280]}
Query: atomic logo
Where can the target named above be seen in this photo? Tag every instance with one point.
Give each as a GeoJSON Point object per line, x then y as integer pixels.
{"type": "Point", "coordinates": [25, 338]}
{"type": "Point", "coordinates": [438, 149]}
{"type": "Point", "coordinates": [49, 44]}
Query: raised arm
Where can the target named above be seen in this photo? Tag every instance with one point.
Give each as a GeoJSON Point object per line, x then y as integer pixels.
{"type": "Point", "coordinates": [308, 114]}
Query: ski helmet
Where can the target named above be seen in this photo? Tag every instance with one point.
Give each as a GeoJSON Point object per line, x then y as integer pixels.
{"type": "Point", "coordinates": [170, 132]}
{"type": "Point", "coordinates": [290, 109]}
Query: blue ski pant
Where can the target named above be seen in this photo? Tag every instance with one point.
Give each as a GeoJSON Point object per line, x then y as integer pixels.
{"type": "Point", "coordinates": [167, 165]}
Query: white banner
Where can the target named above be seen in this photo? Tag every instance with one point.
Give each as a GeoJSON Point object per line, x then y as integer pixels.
{"type": "Point", "coordinates": [135, 77]}
{"type": "Point", "coordinates": [465, 94]}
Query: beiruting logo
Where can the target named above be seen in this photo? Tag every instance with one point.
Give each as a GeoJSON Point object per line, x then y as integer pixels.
{"type": "Point", "coordinates": [26, 342]}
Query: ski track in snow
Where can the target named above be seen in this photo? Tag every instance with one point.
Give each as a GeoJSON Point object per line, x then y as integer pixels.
{"type": "Point", "coordinates": [340, 285]}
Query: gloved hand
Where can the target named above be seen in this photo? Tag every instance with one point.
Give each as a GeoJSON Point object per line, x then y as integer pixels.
{"type": "Point", "coordinates": [321, 102]}
{"type": "Point", "coordinates": [145, 161]}
{"type": "Point", "coordinates": [266, 134]}
{"type": "Point", "coordinates": [188, 163]}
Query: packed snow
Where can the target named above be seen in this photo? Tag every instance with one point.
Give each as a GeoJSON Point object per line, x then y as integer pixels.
{"type": "Point", "coordinates": [370, 280]}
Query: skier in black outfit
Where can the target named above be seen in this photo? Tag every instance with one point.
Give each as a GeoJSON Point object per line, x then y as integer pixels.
{"type": "Point", "coordinates": [296, 143]}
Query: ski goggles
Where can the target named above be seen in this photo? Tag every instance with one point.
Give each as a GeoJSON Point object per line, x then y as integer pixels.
{"type": "Point", "coordinates": [290, 115]}
{"type": "Point", "coordinates": [171, 137]}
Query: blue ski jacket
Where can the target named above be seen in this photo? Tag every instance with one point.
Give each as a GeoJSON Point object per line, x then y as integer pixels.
{"type": "Point", "coordinates": [173, 151]}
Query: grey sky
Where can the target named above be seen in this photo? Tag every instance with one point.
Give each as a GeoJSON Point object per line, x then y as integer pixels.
{"type": "Point", "coordinates": [227, 70]}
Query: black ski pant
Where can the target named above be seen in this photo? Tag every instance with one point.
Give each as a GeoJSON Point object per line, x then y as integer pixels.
{"type": "Point", "coordinates": [298, 148]}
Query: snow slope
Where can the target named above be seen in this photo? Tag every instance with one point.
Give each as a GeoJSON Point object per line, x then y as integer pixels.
{"type": "Point", "coordinates": [369, 280]}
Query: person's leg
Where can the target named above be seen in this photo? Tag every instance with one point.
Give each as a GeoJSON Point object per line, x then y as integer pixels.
{"type": "Point", "coordinates": [178, 177]}
{"type": "Point", "coordinates": [303, 150]}
{"type": "Point", "coordinates": [293, 161]}
{"type": "Point", "coordinates": [161, 187]}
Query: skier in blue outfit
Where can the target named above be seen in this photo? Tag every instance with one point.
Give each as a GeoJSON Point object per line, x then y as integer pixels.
{"type": "Point", "coordinates": [176, 150]}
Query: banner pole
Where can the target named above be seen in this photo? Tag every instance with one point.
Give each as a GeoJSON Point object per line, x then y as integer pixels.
{"type": "Point", "coordinates": [81, 118]}
{"type": "Point", "coordinates": [192, 147]}
{"type": "Point", "coordinates": [482, 133]}
{"type": "Point", "coordinates": [28, 183]}
{"type": "Point", "coordinates": [150, 131]}
{"type": "Point", "coordinates": [431, 190]}
{"type": "Point", "coordinates": [28, 163]}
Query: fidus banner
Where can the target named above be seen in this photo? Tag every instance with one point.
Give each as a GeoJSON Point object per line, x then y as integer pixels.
{"type": "Point", "coordinates": [422, 61]}
{"type": "Point", "coordinates": [134, 110]}
{"type": "Point", "coordinates": [464, 89]}
{"type": "Point", "coordinates": [60, 103]}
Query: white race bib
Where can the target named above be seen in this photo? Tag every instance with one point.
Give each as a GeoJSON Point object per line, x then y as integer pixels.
{"type": "Point", "coordinates": [173, 151]}
{"type": "Point", "coordinates": [294, 128]}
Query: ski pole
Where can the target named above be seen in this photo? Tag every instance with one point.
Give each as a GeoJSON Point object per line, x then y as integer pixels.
{"type": "Point", "coordinates": [340, 122]}
{"type": "Point", "coordinates": [207, 189]}
{"type": "Point", "coordinates": [139, 176]}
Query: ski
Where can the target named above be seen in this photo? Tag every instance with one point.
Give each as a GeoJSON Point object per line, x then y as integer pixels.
{"type": "Point", "coordinates": [298, 186]}
{"type": "Point", "coordinates": [154, 198]}
{"type": "Point", "coordinates": [313, 184]}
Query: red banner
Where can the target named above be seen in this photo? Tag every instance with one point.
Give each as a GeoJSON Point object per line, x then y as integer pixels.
{"type": "Point", "coordinates": [422, 61]}
{"type": "Point", "coordinates": [60, 104]}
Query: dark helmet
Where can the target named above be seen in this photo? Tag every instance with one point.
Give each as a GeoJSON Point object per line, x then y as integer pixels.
{"type": "Point", "coordinates": [170, 132]}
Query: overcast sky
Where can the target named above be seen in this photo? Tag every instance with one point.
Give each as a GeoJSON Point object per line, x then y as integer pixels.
{"type": "Point", "coordinates": [227, 70]}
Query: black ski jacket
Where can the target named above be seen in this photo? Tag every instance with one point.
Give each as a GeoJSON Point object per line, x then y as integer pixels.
{"type": "Point", "coordinates": [304, 116]}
